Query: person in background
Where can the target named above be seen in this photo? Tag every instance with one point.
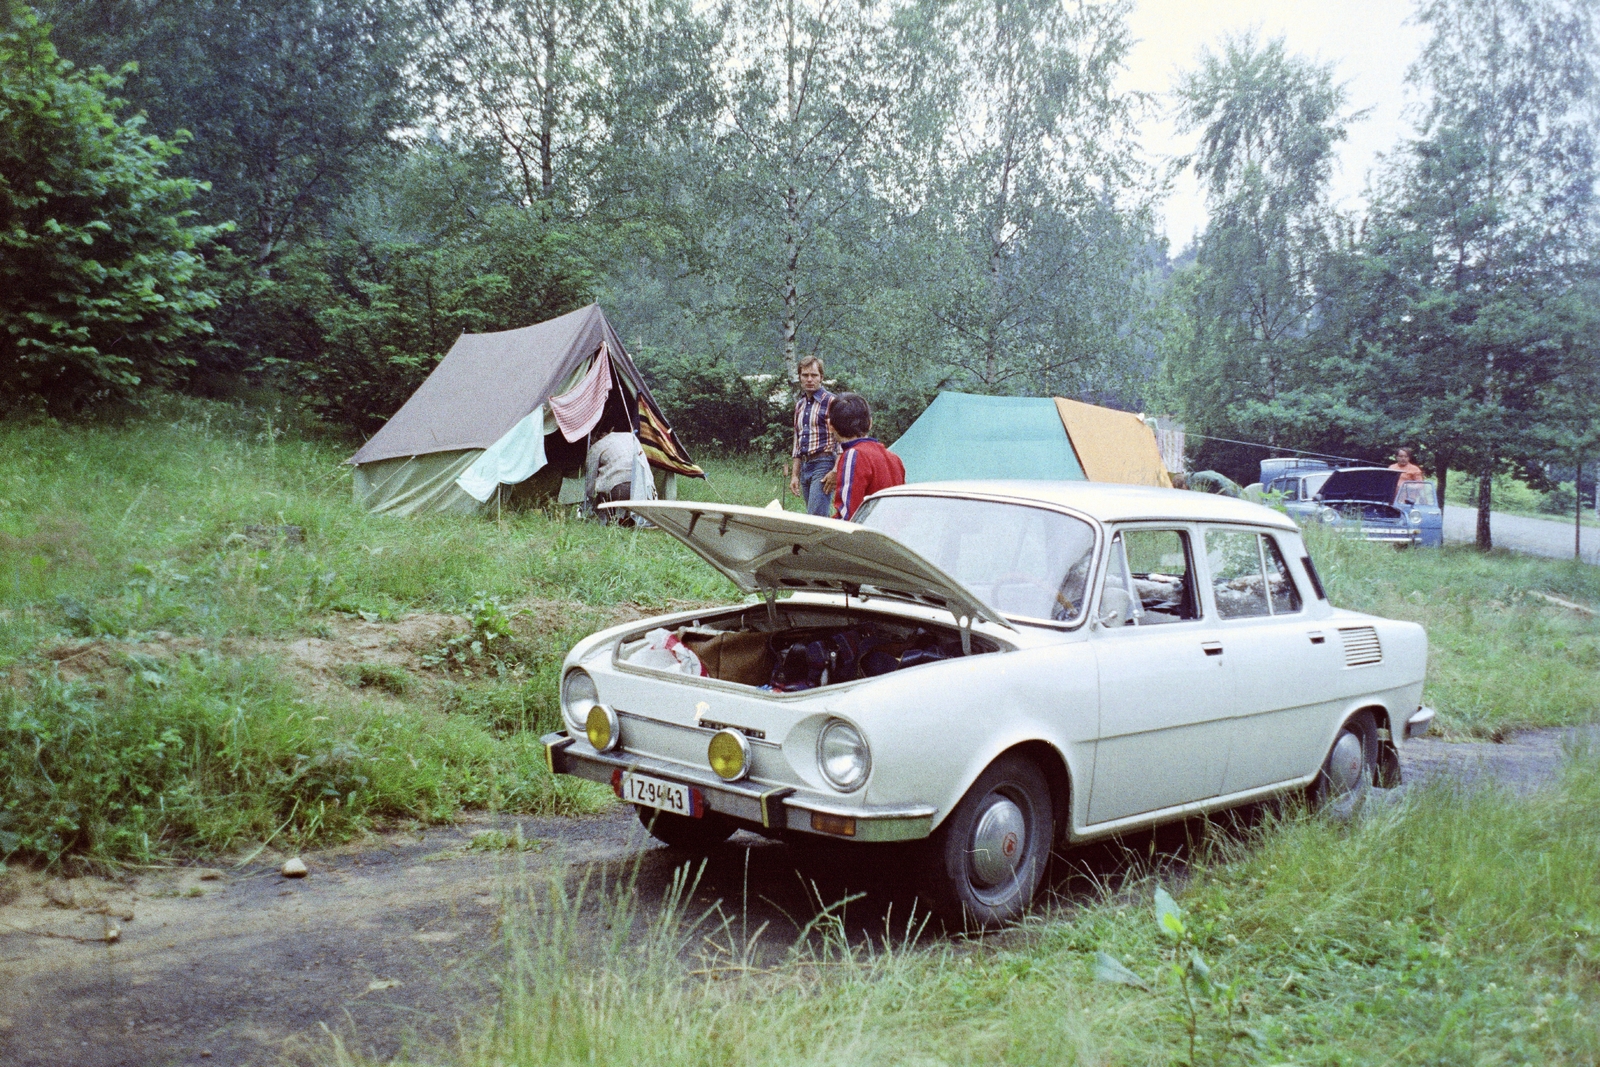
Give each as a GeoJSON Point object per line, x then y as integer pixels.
{"type": "Point", "coordinates": [609, 474]}
{"type": "Point", "coordinates": [864, 466]}
{"type": "Point", "coordinates": [814, 444]}
{"type": "Point", "coordinates": [1409, 471]}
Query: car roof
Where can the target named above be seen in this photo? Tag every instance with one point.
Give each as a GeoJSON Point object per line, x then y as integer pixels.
{"type": "Point", "coordinates": [1107, 502]}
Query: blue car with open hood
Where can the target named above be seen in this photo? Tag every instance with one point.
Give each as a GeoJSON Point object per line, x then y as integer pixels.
{"type": "Point", "coordinates": [1372, 503]}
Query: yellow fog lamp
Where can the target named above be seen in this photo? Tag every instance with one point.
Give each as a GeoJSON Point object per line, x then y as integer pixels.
{"type": "Point", "coordinates": [729, 755]}
{"type": "Point", "coordinates": [602, 728]}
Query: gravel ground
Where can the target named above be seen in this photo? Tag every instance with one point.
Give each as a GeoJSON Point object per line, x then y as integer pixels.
{"type": "Point", "coordinates": [1535, 537]}
{"type": "Point", "coordinates": [397, 943]}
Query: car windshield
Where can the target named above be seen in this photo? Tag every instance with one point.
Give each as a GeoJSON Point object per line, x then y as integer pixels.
{"type": "Point", "coordinates": [1024, 561]}
{"type": "Point", "coordinates": [1417, 494]}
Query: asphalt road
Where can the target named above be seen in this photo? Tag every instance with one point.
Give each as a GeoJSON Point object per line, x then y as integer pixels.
{"type": "Point", "coordinates": [1536, 537]}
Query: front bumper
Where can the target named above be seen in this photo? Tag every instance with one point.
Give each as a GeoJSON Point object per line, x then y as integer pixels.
{"type": "Point", "coordinates": [772, 808]}
{"type": "Point", "coordinates": [1396, 535]}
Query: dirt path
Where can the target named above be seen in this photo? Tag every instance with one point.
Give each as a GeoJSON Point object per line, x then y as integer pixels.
{"type": "Point", "coordinates": [397, 943]}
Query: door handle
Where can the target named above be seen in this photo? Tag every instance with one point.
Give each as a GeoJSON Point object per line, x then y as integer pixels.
{"type": "Point", "coordinates": [1317, 637]}
{"type": "Point", "coordinates": [1212, 648]}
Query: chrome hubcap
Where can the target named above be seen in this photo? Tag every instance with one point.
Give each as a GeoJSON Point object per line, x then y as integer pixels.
{"type": "Point", "coordinates": [1346, 764]}
{"type": "Point", "coordinates": [998, 842]}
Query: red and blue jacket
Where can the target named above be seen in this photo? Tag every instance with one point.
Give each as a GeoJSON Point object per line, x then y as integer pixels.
{"type": "Point", "coordinates": [864, 467]}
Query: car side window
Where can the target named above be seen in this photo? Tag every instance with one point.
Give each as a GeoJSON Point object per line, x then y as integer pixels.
{"type": "Point", "coordinates": [1149, 580]}
{"type": "Point", "coordinates": [1238, 583]}
{"type": "Point", "coordinates": [1285, 597]}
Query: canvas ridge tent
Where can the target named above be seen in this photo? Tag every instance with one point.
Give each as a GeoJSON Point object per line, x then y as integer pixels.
{"type": "Point", "coordinates": [505, 416]}
{"type": "Point", "coordinates": [964, 437]}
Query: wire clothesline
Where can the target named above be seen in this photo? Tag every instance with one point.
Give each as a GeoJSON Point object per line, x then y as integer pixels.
{"type": "Point", "coordinates": [1279, 448]}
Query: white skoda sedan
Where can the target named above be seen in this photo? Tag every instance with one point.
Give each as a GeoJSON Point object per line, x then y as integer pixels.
{"type": "Point", "coordinates": [992, 668]}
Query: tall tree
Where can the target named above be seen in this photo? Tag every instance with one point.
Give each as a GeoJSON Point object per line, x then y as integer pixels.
{"type": "Point", "coordinates": [1268, 125]}
{"type": "Point", "coordinates": [1040, 183]}
{"type": "Point", "coordinates": [286, 100]}
{"type": "Point", "coordinates": [1482, 224]}
{"type": "Point", "coordinates": [814, 88]}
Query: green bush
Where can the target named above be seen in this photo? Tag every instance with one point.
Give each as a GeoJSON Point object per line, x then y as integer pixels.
{"type": "Point", "coordinates": [101, 276]}
{"type": "Point", "coordinates": [356, 322]}
{"type": "Point", "coordinates": [204, 752]}
{"type": "Point", "coordinates": [713, 405]}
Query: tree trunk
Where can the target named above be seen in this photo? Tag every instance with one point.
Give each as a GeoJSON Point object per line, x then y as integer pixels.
{"type": "Point", "coordinates": [1577, 510]}
{"type": "Point", "coordinates": [1485, 500]}
{"type": "Point", "coordinates": [547, 118]}
{"type": "Point", "coordinates": [791, 268]}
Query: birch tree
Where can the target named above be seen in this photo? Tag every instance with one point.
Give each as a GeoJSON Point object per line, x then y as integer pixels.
{"type": "Point", "coordinates": [1043, 190]}
{"type": "Point", "coordinates": [814, 87]}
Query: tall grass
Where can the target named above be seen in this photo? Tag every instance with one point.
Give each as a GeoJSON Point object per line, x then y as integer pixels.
{"type": "Point", "coordinates": [205, 753]}
{"type": "Point", "coordinates": [1456, 928]}
{"type": "Point", "coordinates": [1501, 657]}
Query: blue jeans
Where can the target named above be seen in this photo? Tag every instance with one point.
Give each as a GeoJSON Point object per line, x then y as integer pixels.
{"type": "Point", "coordinates": [818, 500]}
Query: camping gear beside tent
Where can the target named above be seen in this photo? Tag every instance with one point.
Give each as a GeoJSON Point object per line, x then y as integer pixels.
{"type": "Point", "coordinates": [489, 426]}
{"type": "Point", "coordinates": [962, 436]}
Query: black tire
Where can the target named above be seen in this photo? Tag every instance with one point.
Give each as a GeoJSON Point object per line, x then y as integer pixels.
{"type": "Point", "coordinates": [1350, 768]}
{"type": "Point", "coordinates": [969, 885]}
{"type": "Point", "coordinates": [680, 831]}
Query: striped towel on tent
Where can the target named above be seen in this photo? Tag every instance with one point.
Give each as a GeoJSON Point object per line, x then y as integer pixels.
{"type": "Point", "coordinates": [661, 448]}
{"type": "Point", "coordinates": [578, 410]}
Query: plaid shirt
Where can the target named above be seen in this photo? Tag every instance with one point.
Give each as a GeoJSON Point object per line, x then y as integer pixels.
{"type": "Point", "coordinates": [811, 433]}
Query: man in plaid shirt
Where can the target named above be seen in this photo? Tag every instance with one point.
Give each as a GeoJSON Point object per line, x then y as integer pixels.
{"type": "Point", "coordinates": [814, 443]}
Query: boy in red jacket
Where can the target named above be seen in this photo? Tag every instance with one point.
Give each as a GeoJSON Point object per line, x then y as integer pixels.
{"type": "Point", "coordinates": [864, 465]}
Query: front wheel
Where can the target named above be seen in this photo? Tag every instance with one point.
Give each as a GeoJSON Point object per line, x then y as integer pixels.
{"type": "Point", "coordinates": [1348, 772]}
{"type": "Point", "coordinates": [988, 859]}
{"type": "Point", "coordinates": [680, 831]}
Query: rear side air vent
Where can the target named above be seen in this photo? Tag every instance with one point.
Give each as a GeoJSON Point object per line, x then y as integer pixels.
{"type": "Point", "coordinates": [1361, 646]}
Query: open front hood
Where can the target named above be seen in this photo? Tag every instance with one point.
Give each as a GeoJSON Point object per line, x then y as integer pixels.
{"type": "Point", "coordinates": [767, 550]}
{"type": "Point", "coordinates": [1374, 484]}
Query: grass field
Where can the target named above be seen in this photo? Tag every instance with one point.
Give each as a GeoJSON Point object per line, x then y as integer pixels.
{"type": "Point", "coordinates": [154, 552]}
{"type": "Point", "coordinates": [1455, 929]}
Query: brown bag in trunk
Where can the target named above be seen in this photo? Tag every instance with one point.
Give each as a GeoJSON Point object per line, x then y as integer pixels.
{"type": "Point", "coordinates": [742, 657]}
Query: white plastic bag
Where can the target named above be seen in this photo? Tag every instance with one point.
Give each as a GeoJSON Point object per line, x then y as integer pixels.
{"type": "Point", "coordinates": [664, 652]}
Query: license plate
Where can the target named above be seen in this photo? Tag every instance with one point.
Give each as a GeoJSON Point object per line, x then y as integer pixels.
{"type": "Point", "coordinates": [659, 793]}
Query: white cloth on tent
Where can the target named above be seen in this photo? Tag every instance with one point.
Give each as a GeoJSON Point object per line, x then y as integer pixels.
{"type": "Point", "coordinates": [516, 457]}
{"type": "Point", "coordinates": [578, 410]}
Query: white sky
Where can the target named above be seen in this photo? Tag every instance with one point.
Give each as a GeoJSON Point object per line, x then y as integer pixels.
{"type": "Point", "coordinates": [1369, 41]}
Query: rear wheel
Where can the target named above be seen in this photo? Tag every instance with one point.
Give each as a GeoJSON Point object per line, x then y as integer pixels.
{"type": "Point", "coordinates": [988, 859]}
{"type": "Point", "coordinates": [680, 831]}
{"type": "Point", "coordinates": [1347, 774]}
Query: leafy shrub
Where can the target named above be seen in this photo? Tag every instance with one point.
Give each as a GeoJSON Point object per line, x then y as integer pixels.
{"type": "Point", "coordinates": [356, 322]}
{"type": "Point", "coordinates": [101, 275]}
{"type": "Point", "coordinates": [713, 405]}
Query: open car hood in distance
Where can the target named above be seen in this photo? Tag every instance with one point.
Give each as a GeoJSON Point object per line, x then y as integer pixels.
{"type": "Point", "coordinates": [762, 549]}
{"type": "Point", "coordinates": [1375, 484]}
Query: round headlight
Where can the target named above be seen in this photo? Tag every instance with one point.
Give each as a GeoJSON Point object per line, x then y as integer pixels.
{"type": "Point", "coordinates": [1328, 515]}
{"type": "Point", "coordinates": [602, 728]}
{"type": "Point", "coordinates": [842, 756]}
{"type": "Point", "coordinates": [578, 693]}
{"type": "Point", "coordinates": [1416, 518]}
{"type": "Point", "coordinates": [729, 755]}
